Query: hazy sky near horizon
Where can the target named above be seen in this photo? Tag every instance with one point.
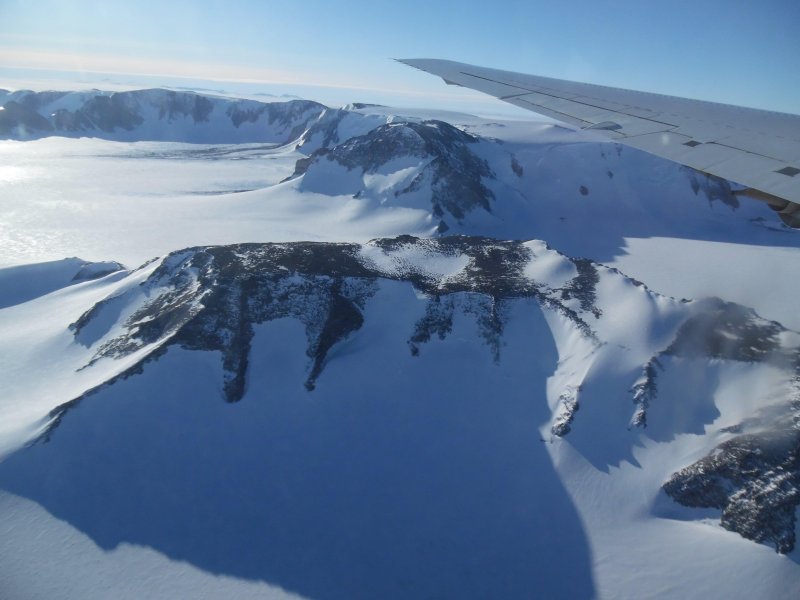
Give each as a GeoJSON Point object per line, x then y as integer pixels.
{"type": "Point", "coordinates": [731, 51]}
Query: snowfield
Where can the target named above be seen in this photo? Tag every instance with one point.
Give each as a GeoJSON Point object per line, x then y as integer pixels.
{"type": "Point", "coordinates": [368, 352]}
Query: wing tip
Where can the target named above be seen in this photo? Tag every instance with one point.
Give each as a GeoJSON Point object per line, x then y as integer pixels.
{"type": "Point", "coordinates": [433, 66]}
{"type": "Point", "coordinates": [411, 62]}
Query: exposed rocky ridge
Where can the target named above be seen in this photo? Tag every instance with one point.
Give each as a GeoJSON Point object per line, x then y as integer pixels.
{"type": "Point", "coordinates": [209, 298]}
{"type": "Point", "coordinates": [567, 408]}
{"type": "Point", "coordinates": [447, 166]}
{"type": "Point", "coordinates": [153, 114]}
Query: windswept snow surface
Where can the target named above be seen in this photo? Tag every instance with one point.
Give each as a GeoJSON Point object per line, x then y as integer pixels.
{"type": "Point", "coordinates": [411, 417]}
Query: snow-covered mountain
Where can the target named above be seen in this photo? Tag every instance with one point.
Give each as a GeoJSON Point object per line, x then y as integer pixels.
{"type": "Point", "coordinates": [427, 165]}
{"type": "Point", "coordinates": [210, 299]}
{"type": "Point", "coordinates": [475, 403]}
{"type": "Point", "coordinates": [155, 114]}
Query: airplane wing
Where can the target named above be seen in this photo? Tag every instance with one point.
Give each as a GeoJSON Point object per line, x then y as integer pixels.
{"type": "Point", "coordinates": [758, 149]}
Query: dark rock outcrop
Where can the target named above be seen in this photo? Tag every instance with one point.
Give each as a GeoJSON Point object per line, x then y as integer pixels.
{"type": "Point", "coordinates": [754, 479]}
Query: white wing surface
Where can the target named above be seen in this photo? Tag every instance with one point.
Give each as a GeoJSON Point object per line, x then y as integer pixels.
{"type": "Point", "coordinates": [758, 149]}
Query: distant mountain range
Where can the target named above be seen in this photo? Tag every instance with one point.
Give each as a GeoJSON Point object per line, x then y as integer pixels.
{"type": "Point", "coordinates": [156, 114]}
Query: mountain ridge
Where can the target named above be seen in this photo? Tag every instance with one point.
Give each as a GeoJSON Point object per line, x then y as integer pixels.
{"type": "Point", "coordinates": [210, 299]}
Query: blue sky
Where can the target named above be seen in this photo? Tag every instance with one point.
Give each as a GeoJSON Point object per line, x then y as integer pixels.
{"type": "Point", "coordinates": [338, 51]}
